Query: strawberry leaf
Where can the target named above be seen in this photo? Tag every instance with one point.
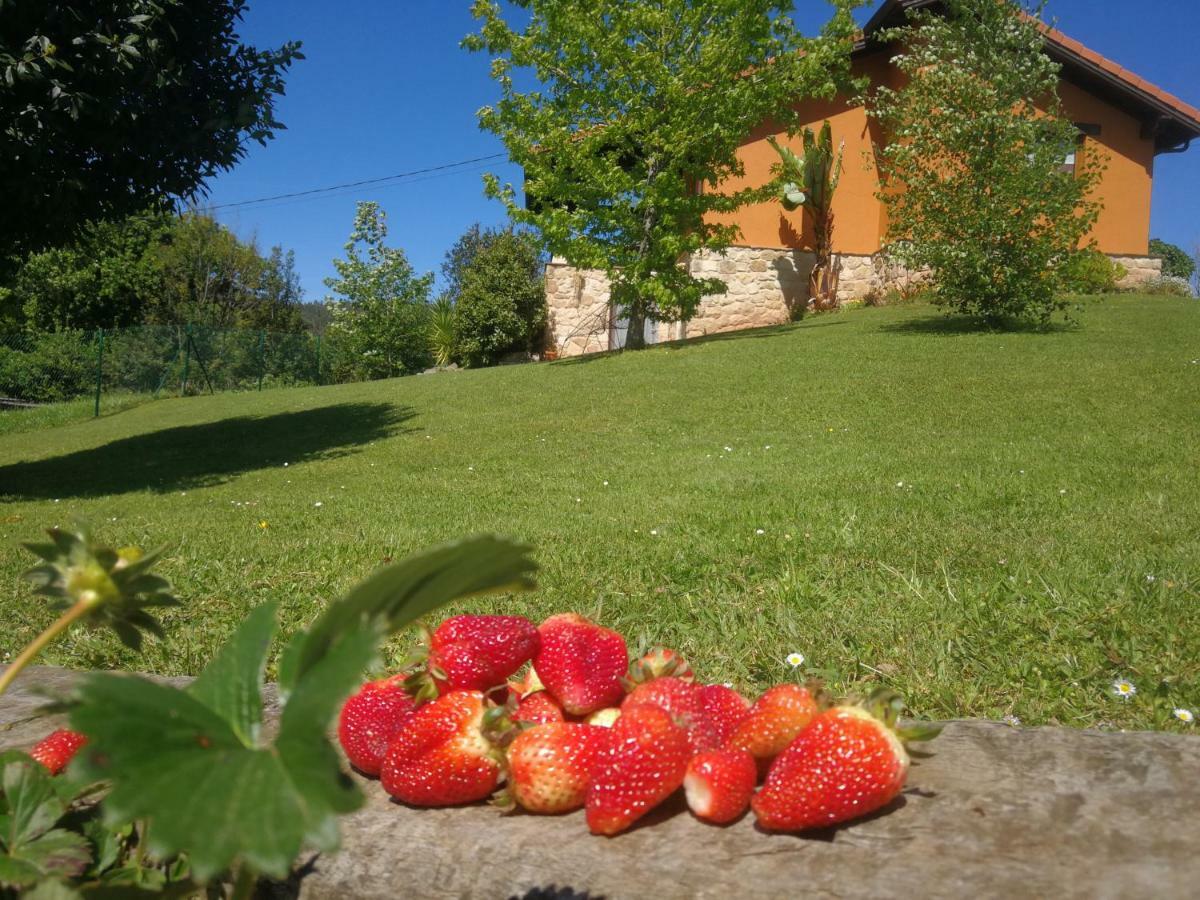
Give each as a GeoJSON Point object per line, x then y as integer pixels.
{"type": "Point", "coordinates": [398, 595]}
{"type": "Point", "coordinates": [231, 684]}
{"type": "Point", "coordinates": [178, 763]}
{"type": "Point", "coordinates": [32, 848]}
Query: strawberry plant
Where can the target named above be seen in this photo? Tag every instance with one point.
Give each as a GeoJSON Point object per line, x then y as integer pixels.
{"type": "Point", "coordinates": [193, 790]}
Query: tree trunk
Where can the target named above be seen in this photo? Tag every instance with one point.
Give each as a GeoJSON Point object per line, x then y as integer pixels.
{"type": "Point", "coordinates": [635, 333]}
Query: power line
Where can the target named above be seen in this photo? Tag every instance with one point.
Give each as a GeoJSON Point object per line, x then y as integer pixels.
{"type": "Point", "coordinates": [355, 184]}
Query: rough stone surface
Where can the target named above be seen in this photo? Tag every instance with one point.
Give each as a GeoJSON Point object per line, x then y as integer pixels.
{"type": "Point", "coordinates": [1138, 269]}
{"type": "Point", "coordinates": [994, 811]}
{"type": "Point", "coordinates": [765, 287]}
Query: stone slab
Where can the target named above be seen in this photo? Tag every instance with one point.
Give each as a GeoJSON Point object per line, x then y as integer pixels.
{"type": "Point", "coordinates": [994, 811]}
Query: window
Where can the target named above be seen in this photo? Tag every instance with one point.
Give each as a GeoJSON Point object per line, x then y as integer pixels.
{"type": "Point", "coordinates": [1086, 130]}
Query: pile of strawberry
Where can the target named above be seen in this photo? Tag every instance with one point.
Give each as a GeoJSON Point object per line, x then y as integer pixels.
{"type": "Point", "coordinates": [584, 728]}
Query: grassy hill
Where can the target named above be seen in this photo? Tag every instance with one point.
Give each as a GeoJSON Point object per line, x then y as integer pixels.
{"type": "Point", "coordinates": [994, 523]}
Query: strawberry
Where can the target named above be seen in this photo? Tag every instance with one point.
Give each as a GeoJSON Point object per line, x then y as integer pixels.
{"type": "Point", "coordinates": [441, 757]}
{"type": "Point", "coordinates": [57, 749]}
{"type": "Point", "coordinates": [477, 653]}
{"type": "Point", "coordinates": [370, 719]}
{"type": "Point", "coordinates": [643, 762]}
{"type": "Point", "coordinates": [681, 700]}
{"type": "Point", "coordinates": [658, 663]}
{"type": "Point", "coordinates": [848, 763]}
{"type": "Point", "coordinates": [549, 766]}
{"type": "Point", "coordinates": [581, 663]}
{"type": "Point", "coordinates": [724, 710]}
{"type": "Point", "coordinates": [538, 709]}
{"type": "Point", "coordinates": [719, 784]}
{"type": "Point", "coordinates": [775, 719]}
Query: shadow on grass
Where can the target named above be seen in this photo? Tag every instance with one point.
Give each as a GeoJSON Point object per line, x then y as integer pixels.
{"type": "Point", "coordinates": [949, 325]}
{"type": "Point", "coordinates": [200, 455]}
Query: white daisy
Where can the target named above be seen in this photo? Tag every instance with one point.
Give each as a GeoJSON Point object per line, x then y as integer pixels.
{"type": "Point", "coordinates": [728, 449]}
{"type": "Point", "coordinates": [1184, 715]}
{"type": "Point", "coordinates": [759, 531]}
{"type": "Point", "coordinates": [1012, 720]}
{"type": "Point", "coordinates": [318, 504]}
{"type": "Point", "coordinates": [1123, 688]}
{"type": "Point", "coordinates": [795, 660]}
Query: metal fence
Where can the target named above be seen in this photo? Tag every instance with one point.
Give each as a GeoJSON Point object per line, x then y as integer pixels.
{"type": "Point", "coordinates": [40, 368]}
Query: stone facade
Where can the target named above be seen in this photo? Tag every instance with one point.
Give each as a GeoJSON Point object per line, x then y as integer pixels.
{"type": "Point", "coordinates": [765, 287]}
{"type": "Point", "coordinates": [1139, 269]}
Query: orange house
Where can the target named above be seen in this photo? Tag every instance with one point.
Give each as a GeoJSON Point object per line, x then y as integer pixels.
{"type": "Point", "coordinates": [1118, 114]}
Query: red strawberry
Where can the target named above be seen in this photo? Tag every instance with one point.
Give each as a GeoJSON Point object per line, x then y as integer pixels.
{"type": "Point", "coordinates": [660, 662]}
{"type": "Point", "coordinates": [538, 708]}
{"type": "Point", "coordinates": [57, 749]}
{"type": "Point", "coordinates": [724, 710]}
{"type": "Point", "coordinates": [477, 653]}
{"type": "Point", "coordinates": [581, 663]}
{"type": "Point", "coordinates": [371, 718]}
{"type": "Point", "coordinates": [642, 764]}
{"type": "Point", "coordinates": [681, 699]}
{"type": "Point", "coordinates": [441, 757]}
{"type": "Point", "coordinates": [549, 766]}
{"type": "Point", "coordinates": [775, 719]}
{"type": "Point", "coordinates": [849, 762]}
{"type": "Point", "coordinates": [719, 784]}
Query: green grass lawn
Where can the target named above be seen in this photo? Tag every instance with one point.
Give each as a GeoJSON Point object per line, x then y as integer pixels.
{"type": "Point", "coordinates": [993, 523]}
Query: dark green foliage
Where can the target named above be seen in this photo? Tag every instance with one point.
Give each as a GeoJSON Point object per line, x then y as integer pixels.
{"type": "Point", "coordinates": [44, 368]}
{"type": "Point", "coordinates": [109, 276]}
{"type": "Point", "coordinates": [111, 106]}
{"type": "Point", "coordinates": [1089, 271]}
{"type": "Point", "coordinates": [153, 268]}
{"type": "Point", "coordinates": [499, 295]}
{"type": "Point", "coordinates": [31, 846]}
{"type": "Point", "coordinates": [1176, 262]}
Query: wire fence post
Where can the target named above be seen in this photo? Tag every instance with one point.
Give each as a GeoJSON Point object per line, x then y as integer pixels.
{"type": "Point", "coordinates": [99, 367]}
{"type": "Point", "coordinates": [187, 359]}
{"type": "Point", "coordinates": [262, 357]}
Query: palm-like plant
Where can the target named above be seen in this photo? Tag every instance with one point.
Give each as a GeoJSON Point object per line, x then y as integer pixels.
{"type": "Point", "coordinates": [443, 331]}
{"type": "Point", "coordinates": [809, 182]}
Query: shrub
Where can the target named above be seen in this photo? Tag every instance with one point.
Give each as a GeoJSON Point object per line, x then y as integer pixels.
{"type": "Point", "coordinates": [48, 367]}
{"type": "Point", "coordinates": [443, 331]}
{"type": "Point", "coordinates": [501, 304]}
{"type": "Point", "coordinates": [1167, 286]}
{"type": "Point", "coordinates": [972, 172]}
{"type": "Point", "coordinates": [1089, 271]}
{"type": "Point", "coordinates": [1176, 262]}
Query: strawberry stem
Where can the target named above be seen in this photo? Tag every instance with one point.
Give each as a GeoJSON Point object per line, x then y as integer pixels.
{"type": "Point", "coordinates": [78, 611]}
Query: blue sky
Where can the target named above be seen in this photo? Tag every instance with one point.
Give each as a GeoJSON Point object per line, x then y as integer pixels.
{"type": "Point", "coordinates": [385, 89]}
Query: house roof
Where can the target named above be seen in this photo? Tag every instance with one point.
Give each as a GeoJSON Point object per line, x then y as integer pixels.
{"type": "Point", "coordinates": [1172, 123]}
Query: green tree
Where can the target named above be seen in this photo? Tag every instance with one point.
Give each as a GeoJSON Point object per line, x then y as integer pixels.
{"type": "Point", "coordinates": [106, 278]}
{"type": "Point", "coordinates": [638, 112]}
{"type": "Point", "coordinates": [211, 277]}
{"type": "Point", "coordinates": [381, 323]}
{"type": "Point", "coordinates": [499, 294]}
{"type": "Point", "coordinates": [110, 106]}
{"type": "Point", "coordinates": [1176, 262]}
{"type": "Point", "coordinates": [973, 172]}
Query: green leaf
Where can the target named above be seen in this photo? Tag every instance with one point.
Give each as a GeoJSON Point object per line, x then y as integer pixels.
{"type": "Point", "coordinates": [29, 808]}
{"type": "Point", "coordinates": [232, 683]}
{"type": "Point", "coordinates": [52, 890]}
{"type": "Point", "coordinates": [179, 764]}
{"type": "Point", "coordinates": [400, 594]}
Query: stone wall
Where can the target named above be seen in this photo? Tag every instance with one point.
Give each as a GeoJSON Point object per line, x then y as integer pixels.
{"type": "Point", "coordinates": [1139, 269]}
{"type": "Point", "coordinates": [765, 287]}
